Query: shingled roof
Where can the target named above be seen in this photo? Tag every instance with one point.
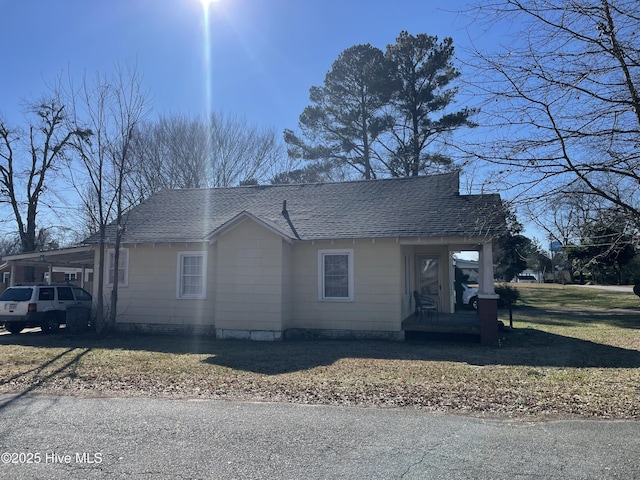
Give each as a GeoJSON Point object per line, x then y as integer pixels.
{"type": "Point", "coordinates": [427, 206]}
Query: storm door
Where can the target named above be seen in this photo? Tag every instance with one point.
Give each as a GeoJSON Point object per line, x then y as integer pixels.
{"type": "Point", "coordinates": [428, 273]}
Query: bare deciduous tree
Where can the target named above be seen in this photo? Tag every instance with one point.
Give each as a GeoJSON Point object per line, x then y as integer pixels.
{"type": "Point", "coordinates": [112, 108]}
{"type": "Point", "coordinates": [28, 165]}
{"type": "Point", "coordinates": [181, 152]}
{"type": "Point", "coordinates": [563, 109]}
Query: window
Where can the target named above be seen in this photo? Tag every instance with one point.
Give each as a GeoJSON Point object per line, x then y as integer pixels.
{"type": "Point", "coordinates": [17, 295]}
{"type": "Point", "coordinates": [335, 272]}
{"type": "Point", "coordinates": [45, 294]}
{"type": "Point", "coordinates": [192, 267]}
{"type": "Point", "coordinates": [64, 293]}
{"type": "Point", "coordinates": [123, 267]}
{"type": "Point", "coordinates": [81, 294]}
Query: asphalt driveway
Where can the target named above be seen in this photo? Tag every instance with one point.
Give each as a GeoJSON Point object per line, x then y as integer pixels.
{"type": "Point", "coordinates": [99, 438]}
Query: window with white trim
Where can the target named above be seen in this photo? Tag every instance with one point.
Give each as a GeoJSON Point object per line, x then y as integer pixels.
{"type": "Point", "coordinates": [122, 272]}
{"type": "Point", "coordinates": [192, 268]}
{"type": "Point", "coordinates": [335, 275]}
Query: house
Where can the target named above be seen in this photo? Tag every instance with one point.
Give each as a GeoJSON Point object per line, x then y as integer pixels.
{"type": "Point", "coordinates": [69, 265]}
{"type": "Point", "coordinates": [529, 276]}
{"type": "Point", "coordinates": [270, 262]}
{"type": "Point", "coordinates": [23, 275]}
{"type": "Point", "coordinates": [263, 262]}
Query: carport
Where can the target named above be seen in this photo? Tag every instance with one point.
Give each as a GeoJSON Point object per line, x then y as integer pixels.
{"type": "Point", "coordinates": [80, 257]}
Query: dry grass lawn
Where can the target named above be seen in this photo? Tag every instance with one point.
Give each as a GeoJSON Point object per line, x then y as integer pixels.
{"type": "Point", "coordinates": [574, 352]}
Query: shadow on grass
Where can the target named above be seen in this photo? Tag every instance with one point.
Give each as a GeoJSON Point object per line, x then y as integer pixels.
{"type": "Point", "coordinates": [66, 362]}
{"type": "Point", "coordinates": [154, 343]}
{"type": "Point", "coordinates": [520, 347]}
{"type": "Point", "coordinates": [627, 317]}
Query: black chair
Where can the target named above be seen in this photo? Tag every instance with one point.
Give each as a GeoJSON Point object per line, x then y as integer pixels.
{"type": "Point", "coordinates": [425, 306]}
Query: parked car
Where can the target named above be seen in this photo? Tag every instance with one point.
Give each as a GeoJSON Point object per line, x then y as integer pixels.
{"type": "Point", "coordinates": [470, 296]}
{"type": "Point", "coordinates": [43, 306]}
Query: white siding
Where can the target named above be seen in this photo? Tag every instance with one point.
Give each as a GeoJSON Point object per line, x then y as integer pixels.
{"type": "Point", "coordinates": [256, 281]}
{"type": "Point", "coordinates": [150, 296]}
{"type": "Point", "coordinates": [249, 279]}
{"type": "Point", "coordinates": [376, 303]}
{"type": "Point", "coordinates": [287, 294]}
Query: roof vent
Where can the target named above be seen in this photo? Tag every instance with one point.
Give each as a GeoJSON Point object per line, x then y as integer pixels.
{"type": "Point", "coordinates": [284, 208]}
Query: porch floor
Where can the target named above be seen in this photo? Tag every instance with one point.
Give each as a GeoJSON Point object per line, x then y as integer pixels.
{"type": "Point", "coordinates": [465, 322]}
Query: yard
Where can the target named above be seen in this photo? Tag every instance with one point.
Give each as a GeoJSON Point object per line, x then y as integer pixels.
{"type": "Point", "coordinates": [574, 352]}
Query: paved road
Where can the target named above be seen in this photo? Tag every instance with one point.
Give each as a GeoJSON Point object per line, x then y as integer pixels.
{"type": "Point", "coordinates": [611, 288]}
{"type": "Point", "coordinates": [70, 438]}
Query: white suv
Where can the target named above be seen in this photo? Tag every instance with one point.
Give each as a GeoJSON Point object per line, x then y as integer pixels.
{"type": "Point", "coordinates": [470, 296]}
{"type": "Point", "coordinates": [42, 306]}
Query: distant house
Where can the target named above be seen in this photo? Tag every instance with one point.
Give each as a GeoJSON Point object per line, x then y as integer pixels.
{"type": "Point", "coordinates": [529, 276]}
{"type": "Point", "coordinates": [33, 269]}
{"type": "Point", "coordinates": [269, 262]}
{"type": "Point", "coordinates": [23, 275]}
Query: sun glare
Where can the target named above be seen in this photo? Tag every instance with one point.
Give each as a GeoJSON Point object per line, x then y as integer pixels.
{"type": "Point", "coordinates": [207, 83]}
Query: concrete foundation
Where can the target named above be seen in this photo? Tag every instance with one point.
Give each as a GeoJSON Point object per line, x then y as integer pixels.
{"type": "Point", "coordinates": [166, 329]}
{"type": "Point", "coordinates": [256, 335]}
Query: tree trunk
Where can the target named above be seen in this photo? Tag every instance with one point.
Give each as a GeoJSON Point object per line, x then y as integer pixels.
{"type": "Point", "coordinates": [116, 279]}
{"type": "Point", "coordinates": [101, 273]}
{"type": "Point", "coordinates": [511, 315]}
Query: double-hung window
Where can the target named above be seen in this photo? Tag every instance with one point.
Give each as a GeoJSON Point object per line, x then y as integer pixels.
{"type": "Point", "coordinates": [335, 275]}
{"type": "Point", "coordinates": [192, 268]}
{"type": "Point", "coordinates": [121, 272]}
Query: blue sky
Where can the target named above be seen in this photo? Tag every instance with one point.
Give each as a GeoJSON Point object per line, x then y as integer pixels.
{"type": "Point", "coordinates": [265, 54]}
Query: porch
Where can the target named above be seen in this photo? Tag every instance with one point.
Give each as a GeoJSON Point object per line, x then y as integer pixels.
{"type": "Point", "coordinates": [433, 277]}
{"type": "Point", "coordinates": [462, 322]}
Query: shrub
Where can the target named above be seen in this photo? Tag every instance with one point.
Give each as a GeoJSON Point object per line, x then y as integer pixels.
{"type": "Point", "coordinates": [508, 295]}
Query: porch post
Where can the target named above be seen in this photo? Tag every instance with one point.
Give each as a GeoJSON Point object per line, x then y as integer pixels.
{"type": "Point", "coordinates": [487, 298]}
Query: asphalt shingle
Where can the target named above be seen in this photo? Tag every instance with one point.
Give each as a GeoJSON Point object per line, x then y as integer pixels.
{"type": "Point", "coordinates": [427, 206]}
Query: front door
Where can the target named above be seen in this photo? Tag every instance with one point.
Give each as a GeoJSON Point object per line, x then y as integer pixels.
{"type": "Point", "coordinates": [429, 282]}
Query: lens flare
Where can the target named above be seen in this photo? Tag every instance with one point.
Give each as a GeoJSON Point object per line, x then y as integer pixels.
{"type": "Point", "coordinates": [207, 72]}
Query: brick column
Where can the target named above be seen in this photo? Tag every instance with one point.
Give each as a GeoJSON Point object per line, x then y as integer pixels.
{"type": "Point", "coordinates": [488, 312]}
{"type": "Point", "coordinates": [487, 298]}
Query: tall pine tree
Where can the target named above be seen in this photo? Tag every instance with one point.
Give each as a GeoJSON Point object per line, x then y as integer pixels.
{"type": "Point", "coordinates": [346, 115]}
{"type": "Point", "coordinates": [421, 104]}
